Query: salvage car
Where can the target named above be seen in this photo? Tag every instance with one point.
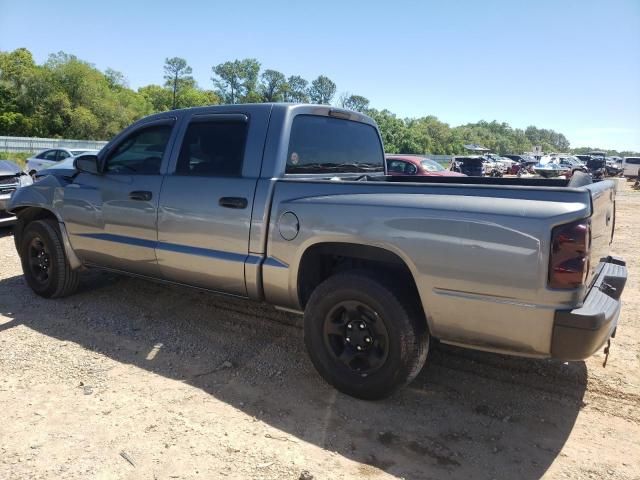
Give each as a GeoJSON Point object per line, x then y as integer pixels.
{"type": "Point", "coordinates": [291, 204]}
{"type": "Point", "coordinates": [52, 156]}
{"type": "Point", "coordinates": [12, 177]}
{"type": "Point", "coordinates": [471, 166]}
{"type": "Point", "coordinates": [525, 160]}
{"type": "Point", "coordinates": [64, 168]}
{"type": "Point", "coordinates": [631, 167]}
{"type": "Point", "coordinates": [416, 165]}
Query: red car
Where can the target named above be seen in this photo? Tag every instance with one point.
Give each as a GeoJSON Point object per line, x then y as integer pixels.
{"type": "Point", "coordinates": [417, 165]}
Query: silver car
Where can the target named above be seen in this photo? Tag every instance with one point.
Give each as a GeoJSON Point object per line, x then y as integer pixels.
{"type": "Point", "coordinates": [50, 157]}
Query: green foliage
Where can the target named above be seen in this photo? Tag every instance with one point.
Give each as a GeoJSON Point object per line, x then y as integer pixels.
{"type": "Point", "coordinates": [429, 135]}
{"type": "Point", "coordinates": [273, 85]}
{"type": "Point", "coordinates": [177, 76]}
{"type": "Point", "coordinates": [357, 103]}
{"type": "Point", "coordinates": [236, 81]}
{"type": "Point", "coordinates": [65, 97]}
{"type": "Point", "coordinates": [548, 139]}
{"type": "Point", "coordinates": [18, 157]}
{"type": "Point", "coordinates": [608, 152]}
{"type": "Point", "coordinates": [295, 90]}
{"type": "Point", "coordinates": [68, 97]}
{"type": "Point", "coordinates": [322, 90]}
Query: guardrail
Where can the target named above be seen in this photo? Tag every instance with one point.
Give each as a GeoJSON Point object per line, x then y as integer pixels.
{"type": "Point", "coordinates": [34, 144]}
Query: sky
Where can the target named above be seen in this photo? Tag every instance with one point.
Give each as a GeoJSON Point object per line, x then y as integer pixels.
{"type": "Point", "coordinates": [573, 66]}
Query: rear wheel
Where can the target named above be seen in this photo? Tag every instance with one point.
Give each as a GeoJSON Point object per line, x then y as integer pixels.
{"type": "Point", "coordinates": [364, 336]}
{"type": "Point", "coordinates": [44, 262]}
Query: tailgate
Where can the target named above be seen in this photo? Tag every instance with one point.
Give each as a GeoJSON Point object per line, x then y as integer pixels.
{"type": "Point", "coordinates": [603, 209]}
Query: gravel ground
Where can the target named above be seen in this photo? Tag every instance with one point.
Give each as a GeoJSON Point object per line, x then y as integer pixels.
{"type": "Point", "coordinates": [131, 379]}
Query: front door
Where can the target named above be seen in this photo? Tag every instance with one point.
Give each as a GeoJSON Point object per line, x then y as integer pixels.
{"type": "Point", "coordinates": [112, 217]}
{"type": "Point", "coordinates": [205, 205]}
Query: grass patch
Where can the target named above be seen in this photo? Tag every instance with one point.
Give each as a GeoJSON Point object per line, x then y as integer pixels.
{"type": "Point", "coordinates": [18, 157]}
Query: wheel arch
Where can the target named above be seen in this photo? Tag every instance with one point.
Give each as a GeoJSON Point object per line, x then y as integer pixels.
{"type": "Point", "coordinates": [321, 260]}
{"type": "Point", "coordinates": [28, 214]}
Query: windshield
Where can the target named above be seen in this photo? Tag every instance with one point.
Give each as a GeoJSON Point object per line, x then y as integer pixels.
{"type": "Point", "coordinates": [571, 160]}
{"type": "Point", "coordinates": [333, 145]}
{"type": "Point", "coordinates": [632, 161]}
{"type": "Point", "coordinates": [76, 152]}
{"type": "Point", "coordinates": [431, 165]}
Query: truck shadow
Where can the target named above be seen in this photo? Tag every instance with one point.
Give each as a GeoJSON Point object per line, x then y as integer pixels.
{"type": "Point", "coordinates": [5, 231]}
{"type": "Point", "coordinates": [467, 415]}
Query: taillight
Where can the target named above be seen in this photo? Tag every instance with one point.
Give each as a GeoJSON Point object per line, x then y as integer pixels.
{"type": "Point", "coordinates": [569, 259]}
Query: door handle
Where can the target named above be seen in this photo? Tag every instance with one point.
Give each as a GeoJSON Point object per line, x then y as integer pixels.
{"type": "Point", "coordinates": [233, 202]}
{"type": "Point", "coordinates": [140, 195]}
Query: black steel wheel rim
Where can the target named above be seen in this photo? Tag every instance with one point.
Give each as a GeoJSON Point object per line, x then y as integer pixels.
{"type": "Point", "coordinates": [355, 336]}
{"type": "Point", "coordinates": [39, 260]}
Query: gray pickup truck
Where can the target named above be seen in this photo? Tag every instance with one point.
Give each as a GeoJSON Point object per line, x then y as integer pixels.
{"type": "Point", "coordinates": [291, 205]}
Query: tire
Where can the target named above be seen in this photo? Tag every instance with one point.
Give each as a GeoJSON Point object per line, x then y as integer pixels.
{"type": "Point", "coordinates": [44, 263]}
{"type": "Point", "coordinates": [362, 298]}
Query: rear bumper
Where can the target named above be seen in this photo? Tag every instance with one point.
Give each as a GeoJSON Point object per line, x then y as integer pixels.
{"type": "Point", "coordinates": [580, 332]}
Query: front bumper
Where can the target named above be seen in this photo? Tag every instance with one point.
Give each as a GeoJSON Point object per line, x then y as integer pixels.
{"type": "Point", "coordinates": [5, 217]}
{"type": "Point", "coordinates": [580, 332]}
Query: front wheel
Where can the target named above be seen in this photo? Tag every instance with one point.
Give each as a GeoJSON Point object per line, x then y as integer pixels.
{"type": "Point", "coordinates": [363, 336]}
{"type": "Point", "coordinates": [44, 262]}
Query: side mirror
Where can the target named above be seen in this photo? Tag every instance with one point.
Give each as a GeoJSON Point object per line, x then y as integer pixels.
{"type": "Point", "coordinates": [87, 164]}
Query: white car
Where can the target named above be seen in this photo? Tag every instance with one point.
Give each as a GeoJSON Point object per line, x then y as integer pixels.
{"type": "Point", "coordinates": [52, 156]}
{"type": "Point", "coordinates": [631, 167]}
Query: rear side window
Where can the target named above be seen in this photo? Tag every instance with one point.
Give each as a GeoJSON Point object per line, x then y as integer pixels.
{"type": "Point", "coordinates": [632, 161]}
{"type": "Point", "coordinates": [213, 149]}
{"type": "Point", "coordinates": [396, 166]}
{"type": "Point", "coordinates": [332, 145]}
{"type": "Point", "coordinates": [48, 155]}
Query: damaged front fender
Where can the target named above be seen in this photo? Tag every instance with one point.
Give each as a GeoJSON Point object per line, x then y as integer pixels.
{"type": "Point", "coordinates": [43, 199]}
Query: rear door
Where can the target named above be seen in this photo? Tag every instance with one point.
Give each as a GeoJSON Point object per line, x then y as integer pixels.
{"type": "Point", "coordinates": [111, 217]}
{"type": "Point", "coordinates": [207, 198]}
{"type": "Point", "coordinates": [62, 154]}
{"type": "Point", "coordinates": [45, 159]}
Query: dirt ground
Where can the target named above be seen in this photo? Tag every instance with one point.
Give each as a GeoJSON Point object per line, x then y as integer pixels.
{"type": "Point", "coordinates": [130, 379]}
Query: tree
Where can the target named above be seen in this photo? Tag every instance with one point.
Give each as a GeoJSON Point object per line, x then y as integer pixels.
{"type": "Point", "coordinates": [68, 97]}
{"type": "Point", "coordinates": [236, 81]}
{"type": "Point", "coordinates": [393, 130]}
{"type": "Point", "coordinates": [64, 97]}
{"type": "Point", "coordinates": [16, 66]}
{"type": "Point", "coordinates": [295, 90]}
{"type": "Point", "coordinates": [273, 85]}
{"type": "Point", "coordinates": [549, 140]}
{"type": "Point", "coordinates": [196, 97]}
{"type": "Point", "coordinates": [116, 79]}
{"type": "Point", "coordinates": [357, 103]}
{"type": "Point", "coordinates": [177, 73]}
{"type": "Point", "coordinates": [160, 98]}
{"type": "Point", "coordinates": [322, 90]}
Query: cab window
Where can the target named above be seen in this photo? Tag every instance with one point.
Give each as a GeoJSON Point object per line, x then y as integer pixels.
{"type": "Point", "coordinates": [319, 144]}
{"type": "Point", "coordinates": [141, 152]}
{"type": "Point", "coordinates": [213, 149]}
